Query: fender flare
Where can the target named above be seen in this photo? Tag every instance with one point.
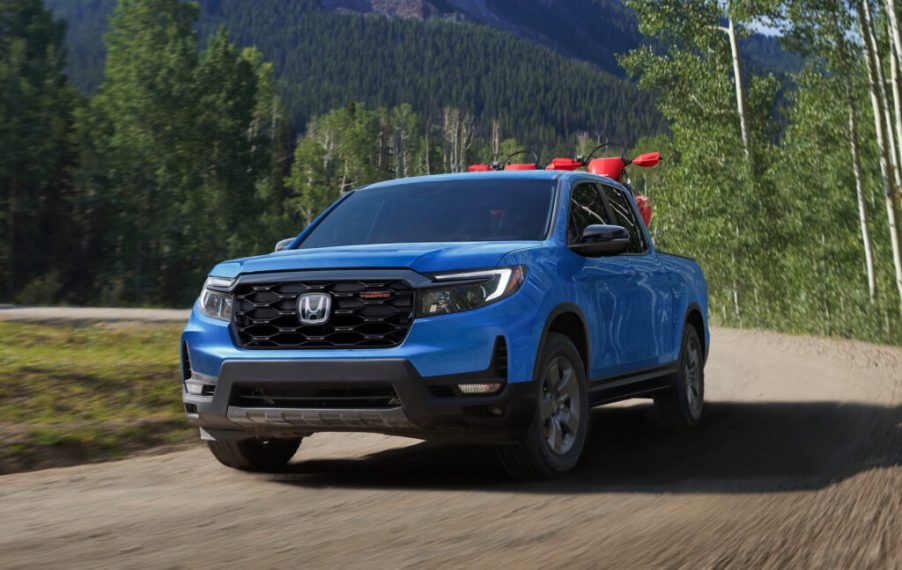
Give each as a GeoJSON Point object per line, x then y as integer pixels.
{"type": "Point", "coordinates": [555, 313]}
{"type": "Point", "coordinates": [691, 308]}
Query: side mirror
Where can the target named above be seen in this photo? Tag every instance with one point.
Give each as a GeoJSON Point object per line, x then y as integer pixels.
{"type": "Point", "coordinates": [600, 240]}
{"type": "Point", "coordinates": [283, 244]}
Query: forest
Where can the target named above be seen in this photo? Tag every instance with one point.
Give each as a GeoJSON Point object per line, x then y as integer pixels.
{"type": "Point", "coordinates": [324, 59]}
{"type": "Point", "coordinates": [189, 149]}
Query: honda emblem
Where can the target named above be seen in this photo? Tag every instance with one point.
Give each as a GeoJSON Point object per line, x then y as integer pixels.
{"type": "Point", "coordinates": [314, 308]}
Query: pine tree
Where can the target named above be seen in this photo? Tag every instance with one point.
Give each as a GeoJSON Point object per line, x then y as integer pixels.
{"type": "Point", "coordinates": [36, 153]}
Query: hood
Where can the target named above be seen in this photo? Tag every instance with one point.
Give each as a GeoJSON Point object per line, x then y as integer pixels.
{"type": "Point", "coordinates": [421, 257]}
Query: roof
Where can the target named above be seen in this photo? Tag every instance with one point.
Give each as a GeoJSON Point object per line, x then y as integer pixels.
{"type": "Point", "coordinates": [494, 176]}
{"type": "Point", "coordinates": [505, 175]}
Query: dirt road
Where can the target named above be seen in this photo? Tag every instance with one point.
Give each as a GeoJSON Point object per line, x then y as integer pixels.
{"type": "Point", "coordinates": [799, 464]}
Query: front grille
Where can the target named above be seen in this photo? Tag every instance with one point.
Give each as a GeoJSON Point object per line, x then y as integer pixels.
{"type": "Point", "coordinates": [365, 314]}
{"type": "Point", "coordinates": [301, 396]}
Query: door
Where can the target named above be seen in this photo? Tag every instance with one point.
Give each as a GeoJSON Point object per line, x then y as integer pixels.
{"type": "Point", "coordinates": [647, 335]}
{"type": "Point", "coordinates": [605, 287]}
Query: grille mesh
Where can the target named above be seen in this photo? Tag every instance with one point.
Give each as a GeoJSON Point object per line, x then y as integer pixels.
{"type": "Point", "coordinates": [365, 314]}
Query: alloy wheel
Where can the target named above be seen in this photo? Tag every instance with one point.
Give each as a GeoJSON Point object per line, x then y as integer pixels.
{"type": "Point", "coordinates": [692, 372]}
{"type": "Point", "coordinates": [559, 405]}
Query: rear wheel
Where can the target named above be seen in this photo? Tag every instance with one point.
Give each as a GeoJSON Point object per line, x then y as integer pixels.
{"type": "Point", "coordinates": [554, 440]}
{"type": "Point", "coordinates": [683, 403]}
{"type": "Point", "coordinates": [257, 454]}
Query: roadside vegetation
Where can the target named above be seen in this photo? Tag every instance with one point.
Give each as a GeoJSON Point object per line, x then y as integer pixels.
{"type": "Point", "coordinates": [75, 393]}
{"type": "Point", "coordinates": [785, 190]}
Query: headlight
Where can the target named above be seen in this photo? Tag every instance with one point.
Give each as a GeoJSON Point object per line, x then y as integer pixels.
{"type": "Point", "coordinates": [470, 290]}
{"type": "Point", "coordinates": [215, 300]}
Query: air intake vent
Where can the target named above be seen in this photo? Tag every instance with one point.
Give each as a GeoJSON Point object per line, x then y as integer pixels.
{"type": "Point", "coordinates": [441, 391]}
{"type": "Point", "coordinates": [500, 357]}
{"type": "Point", "coordinates": [186, 363]}
{"type": "Point", "coordinates": [303, 396]}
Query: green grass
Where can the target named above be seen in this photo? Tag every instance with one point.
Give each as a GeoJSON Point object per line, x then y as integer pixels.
{"type": "Point", "coordinates": [87, 392]}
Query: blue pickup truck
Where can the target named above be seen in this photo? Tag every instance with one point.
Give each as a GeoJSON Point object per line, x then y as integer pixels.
{"type": "Point", "coordinates": [493, 308]}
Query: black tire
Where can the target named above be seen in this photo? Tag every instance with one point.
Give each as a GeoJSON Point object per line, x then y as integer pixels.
{"type": "Point", "coordinates": [553, 443]}
{"type": "Point", "coordinates": [258, 454]}
{"type": "Point", "coordinates": [683, 404]}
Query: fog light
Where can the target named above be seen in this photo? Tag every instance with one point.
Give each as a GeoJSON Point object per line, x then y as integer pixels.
{"type": "Point", "coordinates": [200, 384]}
{"type": "Point", "coordinates": [489, 388]}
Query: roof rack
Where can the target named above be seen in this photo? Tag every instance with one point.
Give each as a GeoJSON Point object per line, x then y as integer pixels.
{"type": "Point", "coordinates": [506, 164]}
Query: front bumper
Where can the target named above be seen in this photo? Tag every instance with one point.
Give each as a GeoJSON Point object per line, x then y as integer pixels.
{"type": "Point", "coordinates": [437, 350]}
{"type": "Point", "coordinates": [423, 411]}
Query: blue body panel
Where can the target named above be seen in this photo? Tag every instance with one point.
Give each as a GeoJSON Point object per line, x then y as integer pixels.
{"type": "Point", "coordinates": [423, 258]}
{"type": "Point", "coordinates": [634, 307]}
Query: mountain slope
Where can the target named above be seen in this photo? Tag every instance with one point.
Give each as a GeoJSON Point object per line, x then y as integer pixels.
{"type": "Point", "coordinates": [325, 59]}
{"type": "Point", "coordinates": [537, 94]}
{"type": "Point", "coordinates": [596, 31]}
{"type": "Point", "coordinates": [591, 30]}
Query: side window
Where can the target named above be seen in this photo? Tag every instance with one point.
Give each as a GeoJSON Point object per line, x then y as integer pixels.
{"type": "Point", "coordinates": [586, 208]}
{"type": "Point", "coordinates": [624, 216]}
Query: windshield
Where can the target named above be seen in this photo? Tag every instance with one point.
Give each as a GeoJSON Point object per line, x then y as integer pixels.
{"type": "Point", "coordinates": [450, 211]}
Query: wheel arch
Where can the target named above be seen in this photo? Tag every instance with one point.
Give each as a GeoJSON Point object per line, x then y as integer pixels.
{"type": "Point", "coordinates": [694, 318]}
{"type": "Point", "coordinates": [569, 320]}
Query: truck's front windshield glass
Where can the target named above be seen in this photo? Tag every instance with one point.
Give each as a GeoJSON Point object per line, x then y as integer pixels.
{"type": "Point", "coordinates": [448, 211]}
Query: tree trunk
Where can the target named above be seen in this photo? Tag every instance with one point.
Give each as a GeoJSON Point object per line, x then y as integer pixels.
{"type": "Point", "coordinates": [871, 39]}
{"type": "Point", "coordinates": [496, 139]}
{"type": "Point", "coordinates": [895, 35]}
{"type": "Point", "coordinates": [893, 143]}
{"type": "Point", "coordinates": [894, 79]}
{"type": "Point", "coordinates": [894, 32]}
{"type": "Point", "coordinates": [11, 250]}
{"type": "Point", "coordinates": [878, 102]}
{"type": "Point", "coordinates": [738, 76]}
{"type": "Point", "coordinates": [467, 130]}
{"type": "Point", "coordinates": [859, 193]}
{"type": "Point", "coordinates": [854, 148]}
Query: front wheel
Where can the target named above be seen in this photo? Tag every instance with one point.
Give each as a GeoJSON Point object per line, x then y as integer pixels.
{"type": "Point", "coordinates": [683, 403]}
{"type": "Point", "coordinates": [256, 454]}
{"type": "Point", "coordinates": [554, 440]}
